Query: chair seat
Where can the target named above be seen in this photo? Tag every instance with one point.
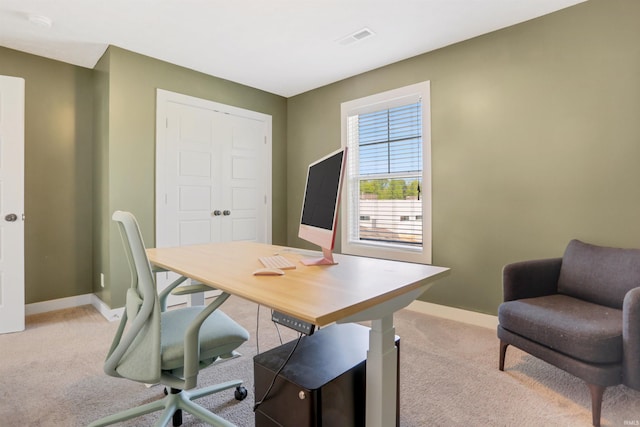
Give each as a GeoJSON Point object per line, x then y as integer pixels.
{"type": "Point", "coordinates": [219, 335]}
{"type": "Point", "coordinates": [580, 329]}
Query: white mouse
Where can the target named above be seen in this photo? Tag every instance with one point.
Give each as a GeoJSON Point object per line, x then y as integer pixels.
{"type": "Point", "coordinates": [268, 272]}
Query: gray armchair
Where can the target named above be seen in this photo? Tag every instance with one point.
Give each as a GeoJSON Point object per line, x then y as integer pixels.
{"type": "Point", "coordinates": [580, 313]}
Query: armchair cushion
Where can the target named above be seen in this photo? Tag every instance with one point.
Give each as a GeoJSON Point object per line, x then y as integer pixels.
{"type": "Point", "coordinates": [598, 274]}
{"type": "Point", "coordinates": [580, 329]}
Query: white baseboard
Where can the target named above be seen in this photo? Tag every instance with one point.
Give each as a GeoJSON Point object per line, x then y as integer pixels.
{"type": "Point", "coordinates": [457, 314]}
{"type": "Point", "coordinates": [111, 314]}
{"type": "Point", "coordinates": [58, 304]}
{"type": "Point", "coordinates": [75, 301]}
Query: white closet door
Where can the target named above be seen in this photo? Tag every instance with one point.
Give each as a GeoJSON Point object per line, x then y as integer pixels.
{"type": "Point", "coordinates": [243, 173]}
{"type": "Point", "coordinates": [213, 174]}
{"type": "Point", "coordinates": [193, 173]}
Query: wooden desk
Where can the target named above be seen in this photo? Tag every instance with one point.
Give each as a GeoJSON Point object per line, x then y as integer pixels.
{"type": "Point", "coordinates": [354, 290]}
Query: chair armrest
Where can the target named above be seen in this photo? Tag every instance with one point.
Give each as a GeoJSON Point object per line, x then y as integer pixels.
{"type": "Point", "coordinates": [162, 297]}
{"type": "Point", "coordinates": [192, 343]}
{"type": "Point", "coordinates": [631, 338]}
{"type": "Point", "coordinates": [529, 279]}
{"type": "Point", "coordinates": [194, 288]}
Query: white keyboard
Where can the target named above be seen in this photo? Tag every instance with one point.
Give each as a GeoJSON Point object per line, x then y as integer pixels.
{"type": "Point", "coordinates": [277, 261]}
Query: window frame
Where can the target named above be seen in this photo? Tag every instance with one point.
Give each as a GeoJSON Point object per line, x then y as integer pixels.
{"type": "Point", "coordinates": [380, 101]}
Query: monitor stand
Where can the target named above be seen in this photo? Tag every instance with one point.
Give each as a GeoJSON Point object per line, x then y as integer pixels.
{"type": "Point", "coordinates": [326, 259]}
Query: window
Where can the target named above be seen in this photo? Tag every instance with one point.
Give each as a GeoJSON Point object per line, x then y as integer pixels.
{"type": "Point", "coordinates": [386, 208]}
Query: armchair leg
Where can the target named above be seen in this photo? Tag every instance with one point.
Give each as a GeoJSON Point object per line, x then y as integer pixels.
{"type": "Point", "coordinates": [503, 353]}
{"type": "Point", "coordinates": [596, 402]}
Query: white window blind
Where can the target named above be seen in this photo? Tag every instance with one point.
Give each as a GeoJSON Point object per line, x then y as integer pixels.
{"type": "Point", "coordinates": [385, 197]}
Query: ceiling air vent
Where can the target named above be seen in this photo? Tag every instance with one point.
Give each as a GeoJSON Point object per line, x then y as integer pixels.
{"type": "Point", "coordinates": [356, 37]}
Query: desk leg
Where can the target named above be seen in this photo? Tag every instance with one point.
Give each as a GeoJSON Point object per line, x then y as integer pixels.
{"type": "Point", "coordinates": [195, 300]}
{"type": "Point", "coordinates": [382, 362]}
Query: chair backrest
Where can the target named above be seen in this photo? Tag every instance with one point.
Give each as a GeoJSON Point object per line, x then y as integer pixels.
{"type": "Point", "coordinates": [599, 274]}
{"type": "Point", "coordinates": [135, 354]}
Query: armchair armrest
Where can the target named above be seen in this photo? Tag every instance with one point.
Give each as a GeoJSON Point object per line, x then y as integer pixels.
{"type": "Point", "coordinates": [631, 339]}
{"type": "Point", "coordinates": [529, 279]}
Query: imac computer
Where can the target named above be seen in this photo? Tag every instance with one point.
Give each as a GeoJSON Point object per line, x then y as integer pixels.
{"type": "Point", "coordinates": [319, 217]}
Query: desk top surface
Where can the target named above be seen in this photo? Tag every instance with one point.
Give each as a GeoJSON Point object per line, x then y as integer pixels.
{"type": "Point", "coordinates": [316, 294]}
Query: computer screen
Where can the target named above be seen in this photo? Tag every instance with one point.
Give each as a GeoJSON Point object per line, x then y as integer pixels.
{"type": "Point", "coordinates": [319, 217]}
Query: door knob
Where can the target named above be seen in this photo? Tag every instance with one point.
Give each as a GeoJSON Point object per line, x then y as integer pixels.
{"type": "Point", "coordinates": [216, 213]}
{"type": "Point", "coordinates": [11, 217]}
{"type": "Point", "coordinates": [226, 213]}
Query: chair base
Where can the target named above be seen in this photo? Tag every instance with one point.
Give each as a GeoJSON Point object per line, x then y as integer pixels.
{"type": "Point", "coordinates": [171, 403]}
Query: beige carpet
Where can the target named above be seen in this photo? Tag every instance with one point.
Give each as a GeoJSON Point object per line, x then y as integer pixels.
{"type": "Point", "coordinates": [51, 375]}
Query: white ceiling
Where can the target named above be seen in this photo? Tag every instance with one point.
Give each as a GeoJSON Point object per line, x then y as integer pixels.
{"type": "Point", "coordinates": [285, 47]}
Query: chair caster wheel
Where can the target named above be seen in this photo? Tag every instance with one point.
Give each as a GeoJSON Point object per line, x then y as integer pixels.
{"type": "Point", "coordinates": [241, 393]}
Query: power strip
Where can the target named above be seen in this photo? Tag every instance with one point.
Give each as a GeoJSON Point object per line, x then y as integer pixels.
{"type": "Point", "coordinates": [301, 326]}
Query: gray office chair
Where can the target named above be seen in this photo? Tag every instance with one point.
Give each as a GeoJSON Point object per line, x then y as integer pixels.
{"type": "Point", "coordinates": [167, 347]}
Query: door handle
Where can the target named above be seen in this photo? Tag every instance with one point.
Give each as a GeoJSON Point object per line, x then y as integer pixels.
{"type": "Point", "coordinates": [216, 213]}
{"type": "Point", "coordinates": [226, 213]}
{"type": "Point", "coordinates": [11, 217]}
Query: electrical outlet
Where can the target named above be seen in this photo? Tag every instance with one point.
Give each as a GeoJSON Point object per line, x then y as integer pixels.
{"type": "Point", "coordinates": [102, 280]}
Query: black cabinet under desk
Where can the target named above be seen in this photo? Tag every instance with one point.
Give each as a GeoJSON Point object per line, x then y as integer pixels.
{"type": "Point", "coordinates": [323, 384]}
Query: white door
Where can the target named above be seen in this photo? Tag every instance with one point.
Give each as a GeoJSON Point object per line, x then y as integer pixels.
{"type": "Point", "coordinates": [11, 204]}
{"type": "Point", "coordinates": [213, 174]}
{"type": "Point", "coordinates": [244, 180]}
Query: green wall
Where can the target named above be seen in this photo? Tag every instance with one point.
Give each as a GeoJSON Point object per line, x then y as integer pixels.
{"type": "Point", "coordinates": [126, 159]}
{"type": "Point", "coordinates": [58, 176]}
{"type": "Point", "coordinates": [535, 141]}
{"type": "Point", "coordinates": [535, 138]}
{"type": "Point", "coordinates": [100, 161]}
